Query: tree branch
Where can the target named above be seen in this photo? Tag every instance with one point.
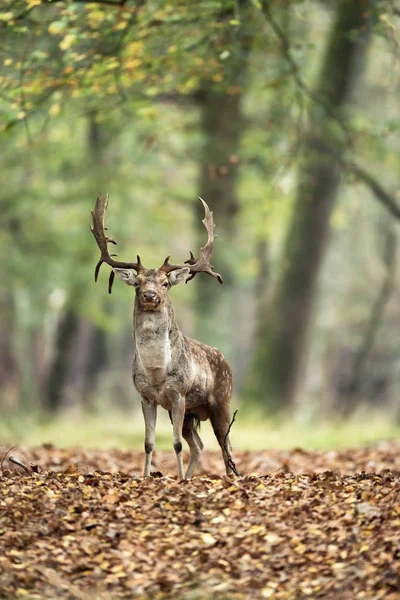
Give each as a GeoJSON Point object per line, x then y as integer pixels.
{"type": "Point", "coordinates": [369, 180]}
{"type": "Point", "coordinates": [296, 72]}
{"type": "Point", "coordinates": [377, 311]}
{"type": "Point", "coordinates": [379, 192]}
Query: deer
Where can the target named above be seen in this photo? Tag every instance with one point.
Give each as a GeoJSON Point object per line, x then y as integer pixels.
{"type": "Point", "coordinates": [189, 379]}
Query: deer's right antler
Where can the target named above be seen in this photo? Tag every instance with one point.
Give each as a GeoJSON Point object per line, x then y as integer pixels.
{"type": "Point", "coordinates": [97, 228]}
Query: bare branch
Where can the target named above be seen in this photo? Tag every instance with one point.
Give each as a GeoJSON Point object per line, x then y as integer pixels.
{"type": "Point", "coordinates": [379, 192]}
{"type": "Point", "coordinates": [377, 310]}
{"type": "Point", "coordinates": [15, 461]}
{"type": "Point", "coordinates": [369, 180]}
{"type": "Point", "coordinates": [296, 72]}
{"type": "Point", "coordinates": [227, 450]}
{"type": "Point", "coordinates": [5, 456]}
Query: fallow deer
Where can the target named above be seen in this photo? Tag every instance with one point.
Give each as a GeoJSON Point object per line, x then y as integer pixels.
{"type": "Point", "coordinates": [192, 381]}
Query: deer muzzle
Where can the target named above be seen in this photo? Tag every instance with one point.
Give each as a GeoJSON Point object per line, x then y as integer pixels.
{"type": "Point", "coordinates": [150, 297]}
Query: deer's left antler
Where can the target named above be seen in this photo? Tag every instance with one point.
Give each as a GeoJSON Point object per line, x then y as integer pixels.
{"type": "Point", "coordinates": [203, 263]}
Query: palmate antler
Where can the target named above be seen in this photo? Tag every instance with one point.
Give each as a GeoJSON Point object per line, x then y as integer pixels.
{"type": "Point", "coordinates": [201, 264]}
{"type": "Point", "coordinates": [97, 228]}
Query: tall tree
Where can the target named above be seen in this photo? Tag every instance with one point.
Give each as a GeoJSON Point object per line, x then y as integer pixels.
{"type": "Point", "coordinates": [222, 124]}
{"type": "Point", "coordinates": [282, 349]}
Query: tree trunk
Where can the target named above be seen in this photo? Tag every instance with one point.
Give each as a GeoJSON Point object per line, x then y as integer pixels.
{"type": "Point", "coordinates": [62, 355]}
{"type": "Point", "coordinates": [282, 348]}
{"type": "Point", "coordinates": [80, 346]}
{"type": "Point", "coordinates": [9, 371]}
{"type": "Point", "coordinates": [222, 124]}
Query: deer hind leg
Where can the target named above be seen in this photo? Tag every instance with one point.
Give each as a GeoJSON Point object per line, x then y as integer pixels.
{"type": "Point", "coordinates": [220, 419]}
{"type": "Point", "coordinates": [150, 416]}
{"type": "Point", "coordinates": [194, 442]}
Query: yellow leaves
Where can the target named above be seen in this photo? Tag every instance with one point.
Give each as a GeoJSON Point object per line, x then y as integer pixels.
{"type": "Point", "coordinates": [267, 592]}
{"type": "Point", "coordinates": [54, 111]}
{"type": "Point", "coordinates": [8, 61]}
{"type": "Point", "coordinates": [112, 497]}
{"type": "Point", "coordinates": [56, 27]}
{"type": "Point", "coordinates": [132, 63]}
{"type": "Point", "coordinates": [208, 539]}
{"type": "Point", "coordinates": [134, 48]}
{"type": "Point", "coordinates": [218, 519]}
{"type": "Point", "coordinates": [112, 63]}
{"type": "Point", "coordinates": [6, 16]}
{"type": "Point", "coordinates": [120, 26]}
{"type": "Point", "coordinates": [117, 568]}
{"type": "Point", "coordinates": [273, 539]}
{"type": "Point", "coordinates": [256, 529]}
{"type": "Point", "coordinates": [300, 548]}
{"type": "Point", "coordinates": [385, 19]}
{"type": "Point", "coordinates": [96, 17]}
{"type": "Point", "coordinates": [68, 41]}
{"type": "Point", "coordinates": [33, 3]}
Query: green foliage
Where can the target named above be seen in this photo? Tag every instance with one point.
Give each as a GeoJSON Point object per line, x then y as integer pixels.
{"type": "Point", "coordinates": [102, 98]}
{"type": "Point", "coordinates": [93, 53]}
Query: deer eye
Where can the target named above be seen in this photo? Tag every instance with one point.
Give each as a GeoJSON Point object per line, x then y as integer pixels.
{"type": "Point", "coordinates": [165, 284]}
{"type": "Point", "coordinates": [136, 284]}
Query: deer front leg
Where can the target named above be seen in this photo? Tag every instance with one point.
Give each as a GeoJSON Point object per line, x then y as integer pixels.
{"type": "Point", "coordinates": [149, 410]}
{"type": "Point", "coordinates": [177, 417]}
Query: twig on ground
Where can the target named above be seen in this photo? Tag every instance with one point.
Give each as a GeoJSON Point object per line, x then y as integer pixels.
{"type": "Point", "coordinates": [20, 464]}
{"type": "Point", "coordinates": [284, 468]}
{"type": "Point", "coordinates": [5, 456]}
{"type": "Point", "coordinates": [231, 463]}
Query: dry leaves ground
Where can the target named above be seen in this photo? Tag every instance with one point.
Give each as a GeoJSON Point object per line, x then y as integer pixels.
{"type": "Point", "coordinates": [295, 525]}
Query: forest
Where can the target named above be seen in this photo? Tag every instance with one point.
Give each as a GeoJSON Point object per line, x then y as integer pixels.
{"type": "Point", "coordinates": [284, 117]}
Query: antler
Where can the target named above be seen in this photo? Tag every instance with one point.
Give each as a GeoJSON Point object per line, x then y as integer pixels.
{"type": "Point", "coordinates": [102, 240]}
{"type": "Point", "coordinates": [201, 264]}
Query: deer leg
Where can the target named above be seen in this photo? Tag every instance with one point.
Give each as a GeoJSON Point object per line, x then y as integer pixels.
{"type": "Point", "coordinates": [178, 416]}
{"type": "Point", "coordinates": [195, 445]}
{"type": "Point", "coordinates": [149, 410]}
{"type": "Point", "coordinates": [220, 420]}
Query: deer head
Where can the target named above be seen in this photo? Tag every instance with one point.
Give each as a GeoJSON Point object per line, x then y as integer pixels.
{"type": "Point", "coordinates": [152, 285]}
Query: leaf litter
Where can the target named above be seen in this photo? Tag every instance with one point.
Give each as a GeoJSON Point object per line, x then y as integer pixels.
{"type": "Point", "coordinates": [82, 524]}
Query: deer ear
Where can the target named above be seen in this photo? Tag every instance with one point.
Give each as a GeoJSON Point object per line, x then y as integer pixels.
{"type": "Point", "coordinates": [179, 275]}
{"type": "Point", "coordinates": [126, 276]}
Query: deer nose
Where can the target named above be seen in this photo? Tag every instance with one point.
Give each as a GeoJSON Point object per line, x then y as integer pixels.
{"type": "Point", "coordinates": [149, 295]}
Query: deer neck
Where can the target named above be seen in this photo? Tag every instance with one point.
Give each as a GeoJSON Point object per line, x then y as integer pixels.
{"type": "Point", "coordinates": [155, 333]}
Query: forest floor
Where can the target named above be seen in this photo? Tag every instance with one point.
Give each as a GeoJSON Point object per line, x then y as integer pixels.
{"type": "Point", "coordinates": [296, 524]}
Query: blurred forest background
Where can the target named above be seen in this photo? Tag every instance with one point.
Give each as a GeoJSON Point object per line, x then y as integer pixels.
{"type": "Point", "coordinates": [284, 117]}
